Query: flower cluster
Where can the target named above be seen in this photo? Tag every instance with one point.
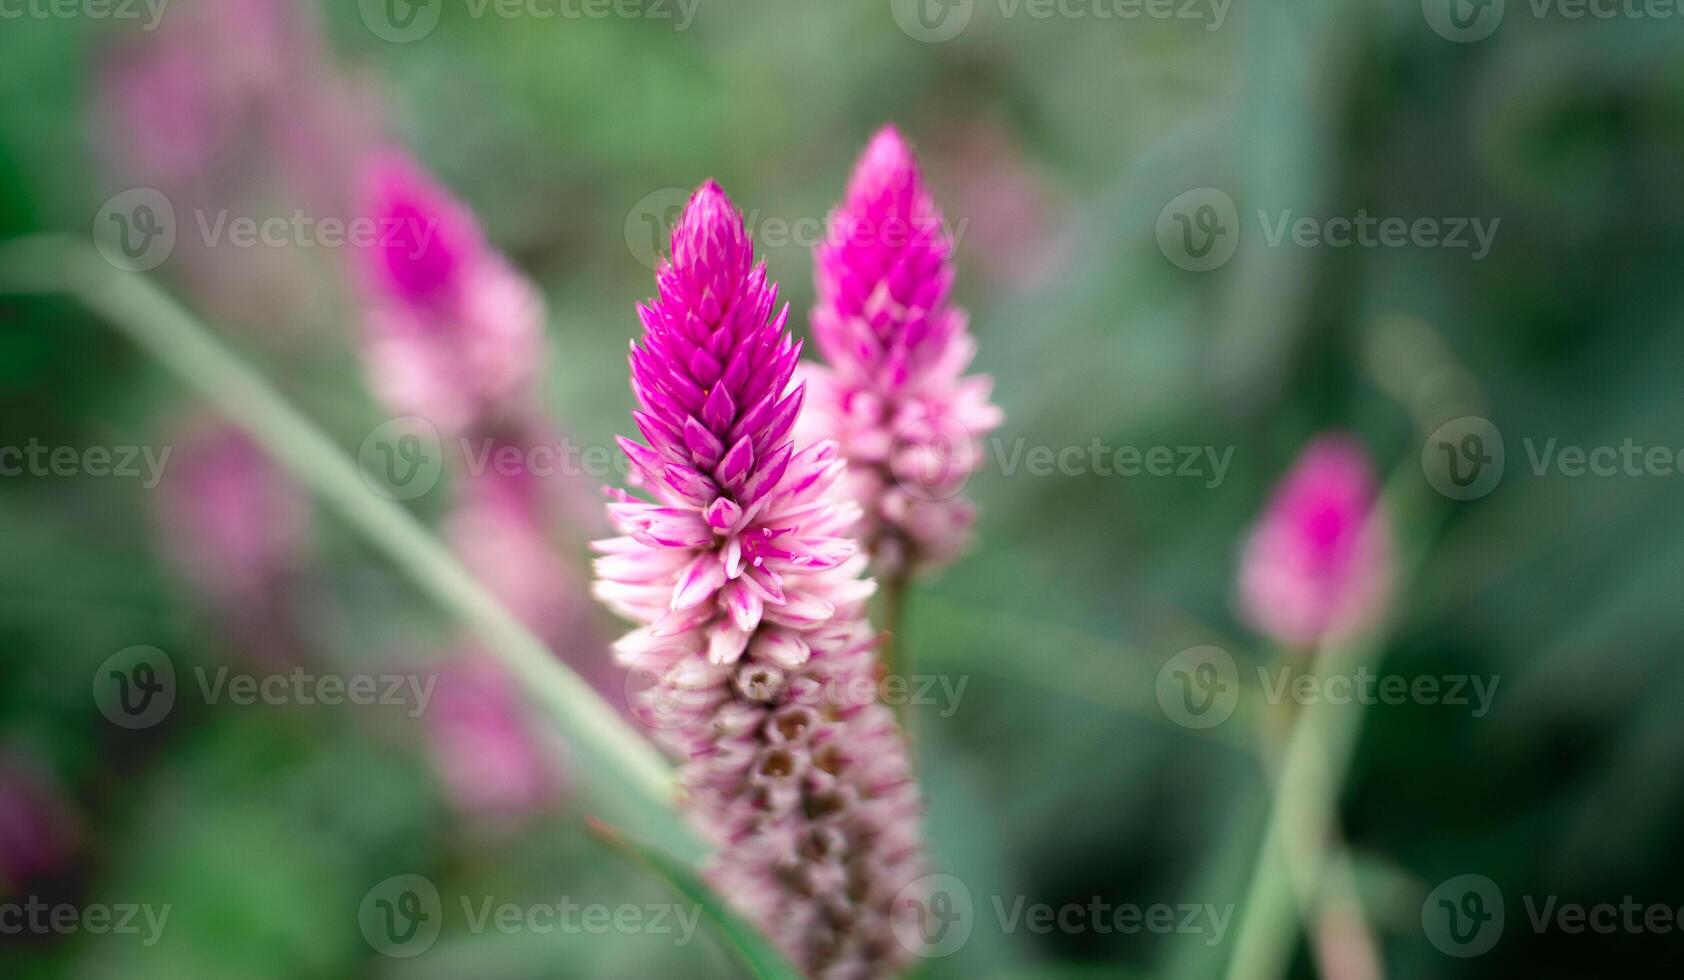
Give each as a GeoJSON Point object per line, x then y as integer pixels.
{"type": "Point", "coordinates": [749, 599]}
{"type": "Point", "coordinates": [1318, 562]}
{"type": "Point", "coordinates": [893, 393]}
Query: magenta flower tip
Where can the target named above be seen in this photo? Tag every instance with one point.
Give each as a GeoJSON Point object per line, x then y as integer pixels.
{"type": "Point", "coordinates": [423, 238]}
{"type": "Point", "coordinates": [886, 162]}
{"type": "Point", "coordinates": [711, 251]}
{"type": "Point", "coordinates": [454, 333]}
{"type": "Point", "coordinates": [709, 217]}
{"type": "Point", "coordinates": [1318, 561]}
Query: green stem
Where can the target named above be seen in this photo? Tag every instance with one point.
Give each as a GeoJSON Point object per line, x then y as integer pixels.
{"type": "Point", "coordinates": [895, 653]}
{"type": "Point", "coordinates": [1293, 860]}
{"type": "Point", "coordinates": [1343, 947]}
{"type": "Point", "coordinates": [161, 326]}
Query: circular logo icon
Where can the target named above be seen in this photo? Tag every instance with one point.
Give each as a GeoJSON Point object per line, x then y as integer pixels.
{"type": "Point", "coordinates": [135, 687]}
{"type": "Point", "coordinates": [933, 457]}
{"type": "Point", "coordinates": [1463, 458]}
{"type": "Point", "coordinates": [402, 459]}
{"type": "Point", "coordinates": [401, 916]}
{"type": "Point", "coordinates": [1199, 687]}
{"type": "Point", "coordinates": [933, 916]}
{"type": "Point", "coordinates": [1200, 229]}
{"type": "Point", "coordinates": [669, 688]}
{"type": "Point", "coordinates": [400, 21]}
{"type": "Point", "coordinates": [135, 230]}
{"type": "Point", "coordinates": [932, 21]}
{"type": "Point", "coordinates": [1463, 21]}
{"type": "Point", "coordinates": [1464, 916]}
{"type": "Point", "coordinates": [650, 222]}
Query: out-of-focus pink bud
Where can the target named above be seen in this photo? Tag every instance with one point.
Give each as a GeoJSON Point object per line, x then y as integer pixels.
{"type": "Point", "coordinates": [454, 334]}
{"type": "Point", "coordinates": [1319, 560]}
{"type": "Point", "coordinates": [493, 764]}
{"type": "Point", "coordinates": [38, 827]}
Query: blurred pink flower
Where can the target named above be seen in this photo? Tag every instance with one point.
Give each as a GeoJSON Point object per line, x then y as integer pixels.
{"type": "Point", "coordinates": [454, 334]}
{"type": "Point", "coordinates": [197, 93]}
{"type": "Point", "coordinates": [232, 110]}
{"type": "Point", "coordinates": [492, 763]}
{"type": "Point", "coordinates": [1319, 560]}
{"type": "Point", "coordinates": [38, 827]}
{"type": "Point", "coordinates": [893, 394]}
{"type": "Point", "coordinates": [233, 522]}
{"type": "Point", "coordinates": [751, 608]}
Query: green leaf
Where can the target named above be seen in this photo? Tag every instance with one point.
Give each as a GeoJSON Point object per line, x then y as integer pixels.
{"type": "Point", "coordinates": [755, 951]}
{"type": "Point", "coordinates": [629, 775]}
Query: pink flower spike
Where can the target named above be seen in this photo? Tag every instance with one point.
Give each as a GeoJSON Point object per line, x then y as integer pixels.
{"type": "Point", "coordinates": [454, 334]}
{"type": "Point", "coordinates": [489, 760]}
{"type": "Point", "coordinates": [892, 391]}
{"type": "Point", "coordinates": [1318, 563]}
{"type": "Point", "coordinates": [753, 607]}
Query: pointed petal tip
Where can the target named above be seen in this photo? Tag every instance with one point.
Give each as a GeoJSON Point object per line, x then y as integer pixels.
{"type": "Point", "coordinates": [888, 154]}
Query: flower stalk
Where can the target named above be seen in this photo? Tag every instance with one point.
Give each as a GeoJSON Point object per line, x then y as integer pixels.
{"type": "Point", "coordinates": [752, 638]}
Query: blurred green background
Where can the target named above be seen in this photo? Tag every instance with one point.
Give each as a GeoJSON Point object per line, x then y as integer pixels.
{"type": "Point", "coordinates": [1054, 144]}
